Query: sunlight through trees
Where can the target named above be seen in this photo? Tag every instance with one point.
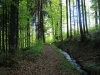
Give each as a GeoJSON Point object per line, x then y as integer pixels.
{"type": "Point", "coordinates": [22, 22]}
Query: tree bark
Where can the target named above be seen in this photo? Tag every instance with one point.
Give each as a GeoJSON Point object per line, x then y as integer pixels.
{"type": "Point", "coordinates": [61, 37]}
{"type": "Point", "coordinates": [80, 23]}
{"type": "Point", "coordinates": [85, 18]}
{"type": "Point", "coordinates": [70, 20]}
{"type": "Point", "coordinates": [13, 28]}
{"type": "Point", "coordinates": [67, 18]}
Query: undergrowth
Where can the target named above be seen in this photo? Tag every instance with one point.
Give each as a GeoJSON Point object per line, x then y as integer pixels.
{"type": "Point", "coordinates": [32, 53]}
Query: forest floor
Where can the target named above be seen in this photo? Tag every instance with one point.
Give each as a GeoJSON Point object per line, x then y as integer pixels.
{"type": "Point", "coordinates": [47, 64]}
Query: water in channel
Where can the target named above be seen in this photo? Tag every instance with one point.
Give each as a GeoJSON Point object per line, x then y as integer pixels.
{"type": "Point", "coordinates": [72, 61]}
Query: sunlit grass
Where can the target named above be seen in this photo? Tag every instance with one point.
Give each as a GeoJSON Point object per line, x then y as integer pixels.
{"type": "Point", "coordinates": [49, 39]}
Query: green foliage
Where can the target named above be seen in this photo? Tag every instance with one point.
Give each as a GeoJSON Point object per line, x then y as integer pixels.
{"type": "Point", "coordinates": [49, 39]}
{"type": "Point", "coordinates": [94, 4]}
{"type": "Point", "coordinates": [24, 13]}
{"type": "Point", "coordinates": [35, 51]}
{"type": "Point", "coordinates": [53, 10]}
{"type": "Point", "coordinates": [64, 35]}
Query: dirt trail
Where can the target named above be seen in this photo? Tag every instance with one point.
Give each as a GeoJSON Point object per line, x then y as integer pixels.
{"type": "Point", "coordinates": [47, 64]}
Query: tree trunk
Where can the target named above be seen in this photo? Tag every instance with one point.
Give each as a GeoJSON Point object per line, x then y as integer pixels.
{"type": "Point", "coordinates": [80, 23]}
{"type": "Point", "coordinates": [13, 28]}
{"type": "Point", "coordinates": [61, 37]}
{"type": "Point", "coordinates": [28, 34]}
{"type": "Point", "coordinates": [74, 17]}
{"type": "Point", "coordinates": [85, 18]}
{"type": "Point", "coordinates": [6, 29]}
{"type": "Point", "coordinates": [99, 10]}
{"type": "Point", "coordinates": [70, 20]}
{"type": "Point", "coordinates": [41, 22]}
{"type": "Point", "coordinates": [3, 46]}
{"type": "Point", "coordinates": [67, 18]}
{"type": "Point", "coordinates": [96, 22]}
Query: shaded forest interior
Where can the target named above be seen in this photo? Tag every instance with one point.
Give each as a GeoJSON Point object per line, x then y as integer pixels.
{"type": "Point", "coordinates": [72, 25]}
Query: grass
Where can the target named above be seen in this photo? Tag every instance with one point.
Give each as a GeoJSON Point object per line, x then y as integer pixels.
{"type": "Point", "coordinates": [65, 64]}
{"type": "Point", "coordinates": [33, 52]}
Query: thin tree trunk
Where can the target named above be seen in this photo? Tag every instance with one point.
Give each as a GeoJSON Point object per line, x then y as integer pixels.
{"type": "Point", "coordinates": [74, 17]}
{"type": "Point", "coordinates": [0, 42]}
{"type": "Point", "coordinates": [70, 19]}
{"type": "Point", "coordinates": [38, 26]}
{"type": "Point", "coordinates": [61, 37]}
{"type": "Point", "coordinates": [99, 10]}
{"type": "Point", "coordinates": [77, 17]}
{"type": "Point", "coordinates": [3, 46]}
{"type": "Point", "coordinates": [79, 12]}
{"type": "Point", "coordinates": [28, 34]}
{"type": "Point", "coordinates": [85, 18]}
{"type": "Point", "coordinates": [56, 31]}
{"type": "Point", "coordinates": [67, 18]}
{"type": "Point", "coordinates": [96, 22]}
{"type": "Point", "coordinates": [6, 29]}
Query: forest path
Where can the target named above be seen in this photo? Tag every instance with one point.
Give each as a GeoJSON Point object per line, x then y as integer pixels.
{"type": "Point", "coordinates": [47, 64]}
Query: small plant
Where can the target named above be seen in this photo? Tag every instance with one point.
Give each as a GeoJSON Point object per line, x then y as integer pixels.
{"type": "Point", "coordinates": [35, 51]}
